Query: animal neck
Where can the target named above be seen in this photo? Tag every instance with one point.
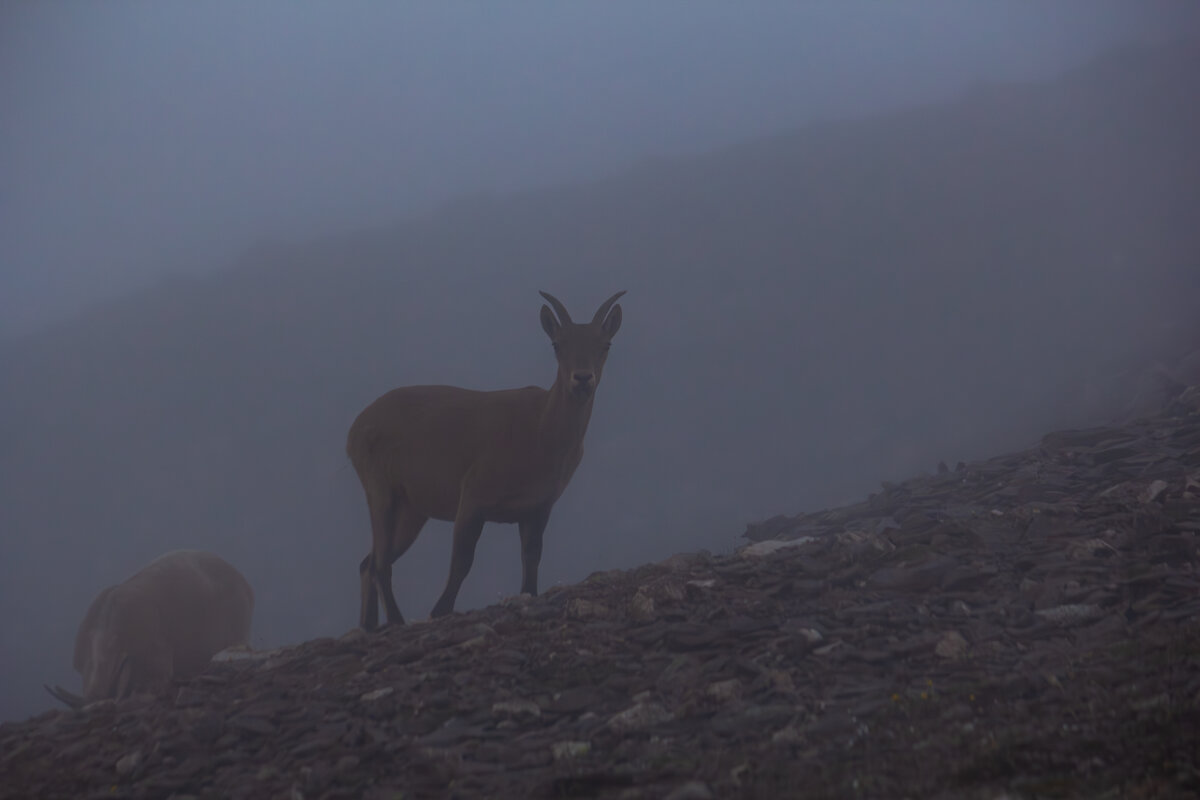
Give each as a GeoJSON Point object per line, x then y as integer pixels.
{"type": "Point", "coordinates": [564, 419]}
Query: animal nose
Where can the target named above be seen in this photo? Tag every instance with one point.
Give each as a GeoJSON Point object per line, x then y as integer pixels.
{"type": "Point", "coordinates": [583, 377]}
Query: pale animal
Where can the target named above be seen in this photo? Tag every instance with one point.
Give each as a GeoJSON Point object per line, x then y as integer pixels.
{"type": "Point", "coordinates": [165, 622]}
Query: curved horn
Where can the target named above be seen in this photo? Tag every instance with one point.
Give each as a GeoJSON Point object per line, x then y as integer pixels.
{"type": "Point", "coordinates": [602, 312]}
{"type": "Point", "coordinates": [559, 308]}
{"type": "Point", "coordinates": [70, 699]}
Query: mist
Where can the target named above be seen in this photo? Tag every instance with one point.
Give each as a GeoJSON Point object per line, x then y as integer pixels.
{"type": "Point", "coordinates": [143, 140]}
{"type": "Point", "coordinates": [857, 241]}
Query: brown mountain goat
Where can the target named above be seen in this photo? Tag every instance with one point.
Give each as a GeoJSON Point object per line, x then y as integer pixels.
{"type": "Point", "coordinates": [472, 457]}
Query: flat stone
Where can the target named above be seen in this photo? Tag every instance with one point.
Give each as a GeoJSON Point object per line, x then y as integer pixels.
{"type": "Point", "coordinates": [639, 716]}
{"type": "Point", "coordinates": [773, 546]}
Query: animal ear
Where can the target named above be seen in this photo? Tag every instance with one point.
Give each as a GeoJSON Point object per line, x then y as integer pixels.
{"type": "Point", "coordinates": [612, 323]}
{"type": "Point", "coordinates": [549, 323]}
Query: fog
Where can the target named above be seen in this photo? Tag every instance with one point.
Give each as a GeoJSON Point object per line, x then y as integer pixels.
{"type": "Point", "coordinates": [143, 139]}
{"type": "Point", "coordinates": [857, 240]}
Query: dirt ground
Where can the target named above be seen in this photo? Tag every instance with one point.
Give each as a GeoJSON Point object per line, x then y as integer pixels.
{"type": "Point", "coordinates": [1026, 626]}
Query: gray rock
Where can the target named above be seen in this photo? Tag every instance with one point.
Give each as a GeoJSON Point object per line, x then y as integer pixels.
{"type": "Point", "coordinates": [130, 764]}
{"type": "Point", "coordinates": [641, 607]}
{"type": "Point", "coordinates": [581, 609]}
{"type": "Point", "coordinates": [564, 751]}
{"type": "Point", "coordinates": [692, 790]}
{"type": "Point", "coordinates": [639, 717]}
{"type": "Point", "coordinates": [952, 646]}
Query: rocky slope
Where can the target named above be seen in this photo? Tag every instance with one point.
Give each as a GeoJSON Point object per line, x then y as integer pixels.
{"type": "Point", "coordinates": [1023, 626]}
{"type": "Point", "coordinates": [941, 282]}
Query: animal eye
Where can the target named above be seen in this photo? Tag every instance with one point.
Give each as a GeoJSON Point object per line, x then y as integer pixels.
{"type": "Point", "coordinates": [555, 346]}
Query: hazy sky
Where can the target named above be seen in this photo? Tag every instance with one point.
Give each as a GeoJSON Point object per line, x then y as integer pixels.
{"type": "Point", "coordinates": [144, 138]}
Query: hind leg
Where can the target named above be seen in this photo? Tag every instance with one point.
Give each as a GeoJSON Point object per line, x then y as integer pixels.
{"type": "Point", "coordinates": [406, 527]}
{"type": "Point", "coordinates": [368, 612]}
{"type": "Point", "coordinates": [383, 519]}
